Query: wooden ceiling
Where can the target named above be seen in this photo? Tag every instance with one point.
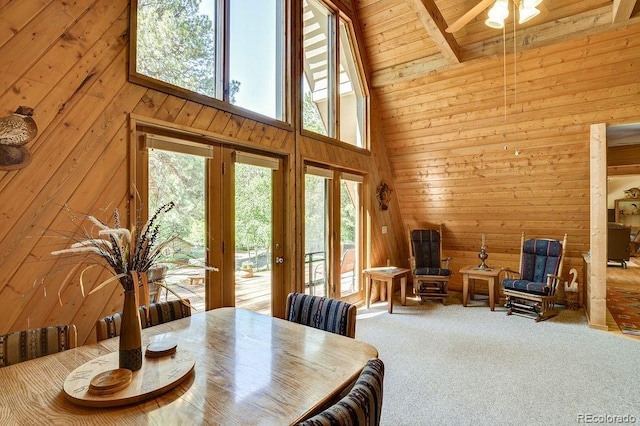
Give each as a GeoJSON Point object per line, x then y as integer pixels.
{"type": "Point", "coordinates": [406, 39]}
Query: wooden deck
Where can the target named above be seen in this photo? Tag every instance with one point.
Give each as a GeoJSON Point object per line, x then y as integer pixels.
{"type": "Point", "coordinates": [251, 293]}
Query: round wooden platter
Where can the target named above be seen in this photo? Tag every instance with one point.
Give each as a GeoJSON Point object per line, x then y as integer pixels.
{"type": "Point", "coordinates": [157, 376]}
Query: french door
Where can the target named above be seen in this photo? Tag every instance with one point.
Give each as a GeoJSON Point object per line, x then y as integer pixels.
{"type": "Point", "coordinates": [333, 230]}
{"type": "Point", "coordinates": [228, 215]}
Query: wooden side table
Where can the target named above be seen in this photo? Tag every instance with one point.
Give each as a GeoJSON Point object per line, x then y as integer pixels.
{"type": "Point", "coordinates": [472, 273]}
{"type": "Point", "coordinates": [387, 274]}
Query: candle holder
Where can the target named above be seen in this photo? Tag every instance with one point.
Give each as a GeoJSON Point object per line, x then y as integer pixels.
{"type": "Point", "coordinates": [483, 257]}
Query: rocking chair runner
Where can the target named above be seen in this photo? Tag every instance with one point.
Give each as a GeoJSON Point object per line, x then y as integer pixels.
{"type": "Point", "coordinates": [430, 270]}
{"type": "Point", "coordinates": [532, 291]}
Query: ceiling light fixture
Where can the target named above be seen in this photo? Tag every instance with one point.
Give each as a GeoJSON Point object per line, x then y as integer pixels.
{"type": "Point", "coordinates": [527, 12]}
{"type": "Point", "coordinates": [500, 11]}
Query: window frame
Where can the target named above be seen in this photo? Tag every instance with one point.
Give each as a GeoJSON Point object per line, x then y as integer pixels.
{"type": "Point", "coordinates": [222, 54]}
{"type": "Point", "coordinates": [338, 17]}
{"type": "Point", "coordinates": [334, 177]}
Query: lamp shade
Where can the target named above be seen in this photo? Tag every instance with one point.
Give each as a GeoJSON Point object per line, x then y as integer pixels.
{"type": "Point", "coordinates": [526, 13]}
{"type": "Point", "coordinates": [497, 14]}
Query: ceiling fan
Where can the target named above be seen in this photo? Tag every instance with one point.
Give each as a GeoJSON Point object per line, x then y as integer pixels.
{"type": "Point", "coordinates": [498, 13]}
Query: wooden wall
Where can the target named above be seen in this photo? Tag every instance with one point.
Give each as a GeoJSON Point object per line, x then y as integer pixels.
{"type": "Point", "coordinates": [437, 139]}
{"type": "Point", "coordinates": [68, 60]}
{"type": "Point", "coordinates": [444, 130]}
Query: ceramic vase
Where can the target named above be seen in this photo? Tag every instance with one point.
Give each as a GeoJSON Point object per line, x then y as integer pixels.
{"type": "Point", "coordinates": [130, 350]}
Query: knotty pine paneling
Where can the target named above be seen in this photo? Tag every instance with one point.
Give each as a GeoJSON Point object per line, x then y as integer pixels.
{"type": "Point", "coordinates": [68, 60]}
{"type": "Point", "coordinates": [445, 138]}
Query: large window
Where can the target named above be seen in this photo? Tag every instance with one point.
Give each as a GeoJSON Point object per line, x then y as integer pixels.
{"type": "Point", "coordinates": [183, 44]}
{"type": "Point", "coordinates": [333, 97]}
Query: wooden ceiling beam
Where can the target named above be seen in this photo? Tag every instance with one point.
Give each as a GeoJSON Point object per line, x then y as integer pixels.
{"type": "Point", "coordinates": [622, 10]}
{"type": "Point", "coordinates": [587, 23]}
{"type": "Point", "coordinates": [434, 23]}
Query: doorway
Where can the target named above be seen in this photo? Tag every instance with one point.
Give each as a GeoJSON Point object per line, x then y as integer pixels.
{"type": "Point", "coordinates": [257, 240]}
{"type": "Point", "coordinates": [228, 215]}
{"type": "Point", "coordinates": [596, 281]}
{"type": "Point", "coordinates": [333, 233]}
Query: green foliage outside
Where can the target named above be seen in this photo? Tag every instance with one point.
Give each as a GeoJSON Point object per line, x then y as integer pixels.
{"type": "Point", "coordinates": [314, 214]}
{"type": "Point", "coordinates": [179, 178]}
{"type": "Point", "coordinates": [253, 210]}
{"type": "Point", "coordinates": [311, 119]}
{"type": "Point", "coordinates": [176, 44]}
{"type": "Point", "coordinates": [347, 215]}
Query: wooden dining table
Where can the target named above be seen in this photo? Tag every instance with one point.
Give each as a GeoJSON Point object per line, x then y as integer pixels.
{"type": "Point", "coordinates": [249, 369]}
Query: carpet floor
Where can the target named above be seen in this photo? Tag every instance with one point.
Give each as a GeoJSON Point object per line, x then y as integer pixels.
{"type": "Point", "coordinates": [624, 306]}
{"type": "Point", "coordinates": [454, 365]}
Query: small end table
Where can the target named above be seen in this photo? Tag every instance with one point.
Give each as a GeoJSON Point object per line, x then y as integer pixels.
{"type": "Point", "coordinates": [387, 274]}
{"type": "Point", "coordinates": [472, 273]}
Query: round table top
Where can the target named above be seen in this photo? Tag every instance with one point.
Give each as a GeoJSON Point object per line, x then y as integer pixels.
{"type": "Point", "coordinates": [157, 375]}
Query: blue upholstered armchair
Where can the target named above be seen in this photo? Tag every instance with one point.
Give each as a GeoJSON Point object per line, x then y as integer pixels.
{"type": "Point", "coordinates": [531, 292]}
{"type": "Point", "coordinates": [429, 268]}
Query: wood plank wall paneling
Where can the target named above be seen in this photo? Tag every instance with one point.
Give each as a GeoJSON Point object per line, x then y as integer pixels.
{"type": "Point", "coordinates": [68, 60]}
{"type": "Point", "coordinates": [444, 134]}
{"type": "Point", "coordinates": [436, 139]}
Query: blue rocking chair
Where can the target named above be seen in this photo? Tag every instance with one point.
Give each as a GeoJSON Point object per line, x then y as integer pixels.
{"type": "Point", "coordinates": [532, 291]}
{"type": "Point", "coordinates": [431, 273]}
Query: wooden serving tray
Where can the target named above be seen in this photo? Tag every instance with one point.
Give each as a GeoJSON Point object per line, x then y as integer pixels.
{"type": "Point", "coordinates": [157, 376]}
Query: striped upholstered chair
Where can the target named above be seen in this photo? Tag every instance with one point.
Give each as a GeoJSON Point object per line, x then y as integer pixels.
{"type": "Point", "coordinates": [29, 344]}
{"type": "Point", "coordinates": [362, 406]}
{"type": "Point", "coordinates": [159, 313]}
{"type": "Point", "coordinates": [324, 313]}
{"type": "Point", "coordinates": [108, 326]}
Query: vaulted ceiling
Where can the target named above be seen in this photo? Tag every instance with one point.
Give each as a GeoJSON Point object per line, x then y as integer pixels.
{"type": "Point", "coordinates": [405, 39]}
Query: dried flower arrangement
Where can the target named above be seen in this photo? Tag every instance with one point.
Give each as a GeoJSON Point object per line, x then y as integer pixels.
{"type": "Point", "coordinates": [128, 254]}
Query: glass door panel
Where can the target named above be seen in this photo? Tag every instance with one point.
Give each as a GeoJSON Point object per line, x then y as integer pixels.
{"type": "Point", "coordinates": [316, 244]}
{"type": "Point", "coordinates": [254, 231]}
{"type": "Point", "coordinates": [180, 178]}
{"type": "Point", "coordinates": [349, 236]}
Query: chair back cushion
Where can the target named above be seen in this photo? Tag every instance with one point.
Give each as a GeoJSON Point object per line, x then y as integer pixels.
{"type": "Point", "coordinates": [540, 257]}
{"type": "Point", "coordinates": [324, 313]}
{"type": "Point", "coordinates": [162, 312]}
{"type": "Point", "coordinates": [108, 326]}
{"type": "Point", "coordinates": [29, 344]}
{"type": "Point", "coordinates": [362, 406]}
{"type": "Point", "coordinates": [426, 249]}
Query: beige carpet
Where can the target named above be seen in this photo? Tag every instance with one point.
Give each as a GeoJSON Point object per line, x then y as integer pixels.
{"type": "Point", "coordinates": [450, 365]}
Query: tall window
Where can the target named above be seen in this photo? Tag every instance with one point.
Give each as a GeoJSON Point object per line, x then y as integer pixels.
{"type": "Point", "coordinates": [351, 95]}
{"type": "Point", "coordinates": [317, 183]}
{"type": "Point", "coordinates": [333, 232]}
{"type": "Point", "coordinates": [350, 233]}
{"type": "Point", "coordinates": [333, 98]}
{"type": "Point", "coordinates": [181, 44]}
